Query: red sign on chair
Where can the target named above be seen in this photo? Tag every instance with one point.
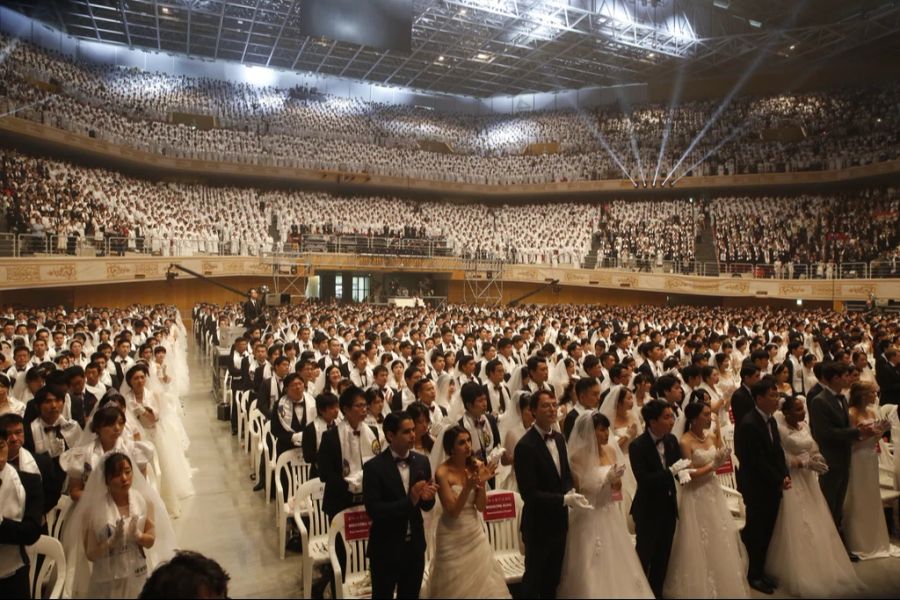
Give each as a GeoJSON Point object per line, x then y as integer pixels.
{"type": "Point", "coordinates": [500, 507]}
{"type": "Point", "coordinates": [725, 468]}
{"type": "Point", "coordinates": [356, 525]}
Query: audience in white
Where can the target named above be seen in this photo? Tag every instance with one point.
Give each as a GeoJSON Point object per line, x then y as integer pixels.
{"type": "Point", "coordinates": [288, 127]}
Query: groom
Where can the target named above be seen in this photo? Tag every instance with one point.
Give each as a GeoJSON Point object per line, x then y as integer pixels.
{"type": "Point", "coordinates": [829, 421]}
{"type": "Point", "coordinates": [397, 487]}
{"type": "Point", "coordinates": [545, 483]}
{"type": "Point", "coordinates": [761, 478]}
{"type": "Point", "coordinates": [655, 459]}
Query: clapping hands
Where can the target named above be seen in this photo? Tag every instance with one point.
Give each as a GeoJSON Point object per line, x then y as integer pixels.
{"type": "Point", "coordinates": [422, 490]}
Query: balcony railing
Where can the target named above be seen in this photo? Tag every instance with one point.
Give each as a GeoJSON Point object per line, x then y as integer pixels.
{"type": "Point", "coordinates": [44, 245]}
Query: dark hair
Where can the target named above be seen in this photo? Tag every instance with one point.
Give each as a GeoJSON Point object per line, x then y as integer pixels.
{"type": "Point", "coordinates": [653, 410]}
{"type": "Point", "coordinates": [187, 575]}
{"type": "Point", "coordinates": [789, 402]}
{"type": "Point", "coordinates": [106, 416]}
{"type": "Point", "coordinates": [418, 409]}
{"type": "Point", "coordinates": [326, 400]}
{"type": "Point", "coordinates": [111, 466]}
{"type": "Point", "coordinates": [111, 395]}
{"type": "Point", "coordinates": [535, 399]}
{"type": "Point", "coordinates": [392, 421]}
{"type": "Point", "coordinates": [584, 384]}
{"type": "Point", "coordinates": [762, 387]}
{"type": "Point", "coordinates": [470, 392]}
{"type": "Point", "coordinates": [349, 396]}
{"type": "Point", "coordinates": [133, 370]}
{"type": "Point", "coordinates": [450, 436]}
{"type": "Point", "coordinates": [665, 383]}
{"type": "Point", "coordinates": [8, 420]}
{"type": "Point", "coordinates": [833, 369]}
{"type": "Point", "coordinates": [43, 394]}
{"type": "Point", "coordinates": [748, 370]}
{"type": "Point", "coordinates": [691, 412]}
{"type": "Point", "coordinates": [599, 419]}
{"type": "Point", "coordinates": [4, 381]}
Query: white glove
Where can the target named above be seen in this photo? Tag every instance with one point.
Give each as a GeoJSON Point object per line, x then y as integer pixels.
{"type": "Point", "coordinates": [817, 464]}
{"type": "Point", "coordinates": [684, 476]}
{"type": "Point", "coordinates": [681, 465]}
{"type": "Point", "coordinates": [297, 438]}
{"type": "Point", "coordinates": [354, 482]}
{"type": "Point", "coordinates": [618, 471]}
{"type": "Point", "coordinates": [573, 499]}
{"type": "Point", "coordinates": [494, 457]}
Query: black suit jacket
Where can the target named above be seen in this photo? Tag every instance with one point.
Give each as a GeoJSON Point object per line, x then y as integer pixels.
{"type": "Point", "coordinates": [569, 422]}
{"type": "Point", "coordinates": [829, 421]}
{"type": "Point", "coordinates": [741, 404]}
{"type": "Point", "coordinates": [763, 469]}
{"type": "Point", "coordinates": [655, 496]}
{"type": "Point", "coordinates": [252, 312]}
{"type": "Point", "coordinates": [542, 487]}
{"type": "Point", "coordinates": [646, 370]}
{"type": "Point", "coordinates": [344, 367]}
{"type": "Point", "coordinates": [310, 446]}
{"type": "Point", "coordinates": [330, 462]}
{"type": "Point", "coordinates": [264, 400]}
{"type": "Point", "coordinates": [389, 506]}
{"type": "Point", "coordinates": [888, 378]}
{"type": "Point", "coordinates": [81, 409]}
{"type": "Point", "coordinates": [28, 530]}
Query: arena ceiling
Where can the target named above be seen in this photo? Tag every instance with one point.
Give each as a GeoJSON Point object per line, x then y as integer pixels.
{"type": "Point", "coordinates": [499, 47]}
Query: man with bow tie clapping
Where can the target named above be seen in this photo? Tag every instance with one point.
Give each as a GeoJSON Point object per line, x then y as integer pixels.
{"type": "Point", "coordinates": [481, 425]}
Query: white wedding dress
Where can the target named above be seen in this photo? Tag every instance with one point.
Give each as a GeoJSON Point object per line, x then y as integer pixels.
{"type": "Point", "coordinates": [462, 565]}
{"type": "Point", "coordinates": [707, 559]}
{"type": "Point", "coordinates": [806, 554]}
{"type": "Point", "coordinates": [600, 559]}
{"type": "Point", "coordinates": [865, 529]}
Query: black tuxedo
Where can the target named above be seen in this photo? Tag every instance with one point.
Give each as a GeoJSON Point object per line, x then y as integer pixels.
{"type": "Point", "coordinates": [310, 446]}
{"type": "Point", "coordinates": [829, 421]}
{"type": "Point", "coordinates": [265, 401]}
{"type": "Point", "coordinates": [23, 533]}
{"type": "Point", "coordinates": [545, 518]}
{"type": "Point", "coordinates": [253, 313]}
{"type": "Point", "coordinates": [741, 404]}
{"type": "Point", "coordinates": [330, 463]}
{"type": "Point", "coordinates": [342, 363]}
{"type": "Point", "coordinates": [888, 378]}
{"type": "Point", "coordinates": [646, 370]}
{"type": "Point", "coordinates": [82, 406]}
{"type": "Point", "coordinates": [284, 437]}
{"type": "Point", "coordinates": [760, 480]}
{"type": "Point", "coordinates": [52, 479]}
{"type": "Point", "coordinates": [396, 548]}
{"type": "Point", "coordinates": [655, 507]}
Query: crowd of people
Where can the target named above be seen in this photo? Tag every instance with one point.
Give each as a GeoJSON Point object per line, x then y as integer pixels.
{"type": "Point", "coordinates": [67, 206]}
{"type": "Point", "coordinates": [92, 443]}
{"type": "Point", "coordinates": [264, 125]}
{"type": "Point", "coordinates": [606, 420]}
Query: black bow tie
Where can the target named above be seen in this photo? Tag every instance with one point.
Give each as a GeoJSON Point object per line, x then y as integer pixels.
{"type": "Point", "coordinates": [331, 425]}
{"type": "Point", "coordinates": [479, 423]}
{"type": "Point", "coordinates": [56, 428]}
{"type": "Point", "coordinates": [660, 441]}
{"type": "Point", "coordinates": [356, 433]}
{"type": "Point", "coordinates": [402, 459]}
{"type": "Point", "coordinates": [548, 437]}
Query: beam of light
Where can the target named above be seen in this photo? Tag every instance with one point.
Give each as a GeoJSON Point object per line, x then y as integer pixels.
{"type": "Point", "coordinates": [725, 140]}
{"type": "Point", "coordinates": [676, 96]}
{"type": "Point", "coordinates": [24, 106]}
{"type": "Point", "coordinates": [592, 126]}
{"type": "Point", "coordinates": [745, 76]}
{"type": "Point", "coordinates": [634, 150]}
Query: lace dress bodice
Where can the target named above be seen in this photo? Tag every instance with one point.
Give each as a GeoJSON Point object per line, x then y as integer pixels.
{"type": "Point", "coordinates": [796, 442]}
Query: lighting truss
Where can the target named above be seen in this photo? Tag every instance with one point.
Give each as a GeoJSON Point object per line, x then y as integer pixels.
{"type": "Point", "coordinates": [488, 48]}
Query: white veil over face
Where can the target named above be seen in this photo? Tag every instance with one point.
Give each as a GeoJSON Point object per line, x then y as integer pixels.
{"type": "Point", "coordinates": [512, 418]}
{"type": "Point", "coordinates": [582, 449]}
{"type": "Point", "coordinates": [92, 505]}
{"type": "Point", "coordinates": [559, 376]}
{"type": "Point", "coordinates": [610, 403]}
{"type": "Point", "coordinates": [515, 382]}
{"type": "Point", "coordinates": [442, 387]}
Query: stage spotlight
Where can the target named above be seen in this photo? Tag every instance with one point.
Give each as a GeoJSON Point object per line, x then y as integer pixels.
{"type": "Point", "coordinates": [635, 184]}
{"type": "Point", "coordinates": [645, 184]}
{"type": "Point", "coordinates": [671, 184]}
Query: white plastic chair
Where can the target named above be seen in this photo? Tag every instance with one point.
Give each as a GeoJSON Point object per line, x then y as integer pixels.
{"type": "Point", "coordinates": [503, 532]}
{"type": "Point", "coordinates": [241, 406]}
{"type": "Point", "coordinates": [728, 482]}
{"type": "Point", "coordinates": [296, 471]}
{"type": "Point", "coordinates": [354, 580]}
{"type": "Point", "coordinates": [226, 389]}
{"type": "Point", "coordinates": [52, 574]}
{"type": "Point", "coordinates": [56, 518]}
{"type": "Point", "coordinates": [269, 460]}
{"type": "Point", "coordinates": [314, 541]}
{"type": "Point", "coordinates": [255, 432]}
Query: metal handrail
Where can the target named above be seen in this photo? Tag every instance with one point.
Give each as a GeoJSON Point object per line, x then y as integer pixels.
{"type": "Point", "coordinates": [44, 244]}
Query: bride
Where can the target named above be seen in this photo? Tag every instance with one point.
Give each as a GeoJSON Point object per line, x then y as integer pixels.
{"type": "Point", "coordinates": [459, 568]}
{"type": "Point", "coordinates": [706, 552]}
{"type": "Point", "coordinates": [600, 560]}
{"type": "Point", "coordinates": [806, 554]}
